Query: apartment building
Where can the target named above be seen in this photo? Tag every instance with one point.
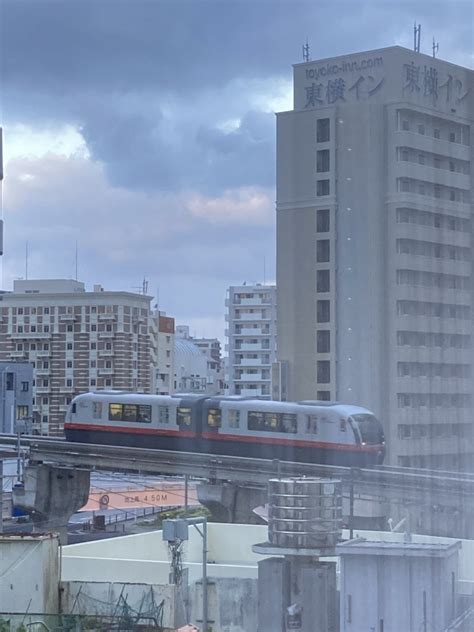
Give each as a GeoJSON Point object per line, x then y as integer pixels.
{"type": "Point", "coordinates": [164, 371]}
{"type": "Point", "coordinates": [16, 393]}
{"type": "Point", "coordinates": [251, 335]}
{"type": "Point", "coordinates": [374, 246]}
{"type": "Point", "coordinates": [77, 341]}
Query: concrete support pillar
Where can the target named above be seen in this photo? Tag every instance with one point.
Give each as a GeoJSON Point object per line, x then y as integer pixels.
{"type": "Point", "coordinates": [52, 495]}
{"type": "Point", "coordinates": [230, 502]}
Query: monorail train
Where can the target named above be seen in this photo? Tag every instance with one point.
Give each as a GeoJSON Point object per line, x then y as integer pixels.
{"type": "Point", "coordinates": [307, 431]}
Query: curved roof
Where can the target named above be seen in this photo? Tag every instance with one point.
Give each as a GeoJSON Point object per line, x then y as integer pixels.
{"type": "Point", "coordinates": [187, 348]}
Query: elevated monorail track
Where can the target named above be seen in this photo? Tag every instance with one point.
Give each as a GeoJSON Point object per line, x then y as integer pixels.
{"type": "Point", "coordinates": [243, 470]}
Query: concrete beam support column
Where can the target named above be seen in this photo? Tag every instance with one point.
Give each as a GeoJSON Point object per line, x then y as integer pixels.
{"type": "Point", "coordinates": [230, 502]}
{"type": "Point", "coordinates": [52, 495]}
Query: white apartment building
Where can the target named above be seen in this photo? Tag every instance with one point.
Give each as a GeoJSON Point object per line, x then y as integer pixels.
{"type": "Point", "coordinates": [251, 335]}
{"type": "Point", "coordinates": [77, 341]}
{"type": "Point", "coordinates": [374, 245]}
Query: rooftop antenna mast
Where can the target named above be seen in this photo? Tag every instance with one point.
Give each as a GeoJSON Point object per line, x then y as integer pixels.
{"type": "Point", "coordinates": [26, 261]}
{"type": "Point", "coordinates": [417, 37]}
{"type": "Point", "coordinates": [306, 51]}
{"type": "Point", "coordinates": [435, 47]}
{"type": "Point", "coordinates": [75, 261]}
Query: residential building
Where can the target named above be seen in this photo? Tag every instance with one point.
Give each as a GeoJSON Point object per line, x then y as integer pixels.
{"type": "Point", "coordinates": [190, 368]}
{"type": "Point", "coordinates": [16, 393]}
{"type": "Point", "coordinates": [251, 334]}
{"type": "Point", "coordinates": [210, 349]}
{"type": "Point", "coordinates": [164, 371]}
{"type": "Point", "coordinates": [76, 341]}
{"type": "Point", "coordinates": [374, 246]}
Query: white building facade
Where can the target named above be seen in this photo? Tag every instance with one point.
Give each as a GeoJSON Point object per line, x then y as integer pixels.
{"type": "Point", "coordinates": [251, 335]}
{"type": "Point", "coordinates": [374, 245]}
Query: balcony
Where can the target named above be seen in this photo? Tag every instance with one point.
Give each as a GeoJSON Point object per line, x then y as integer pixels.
{"type": "Point", "coordinates": [30, 335]}
{"type": "Point", "coordinates": [251, 317]}
{"type": "Point", "coordinates": [246, 331]}
{"type": "Point", "coordinates": [106, 353]}
{"type": "Point", "coordinates": [106, 334]}
{"type": "Point", "coordinates": [105, 371]}
{"type": "Point", "coordinates": [252, 346]}
{"type": "Point", "coordinates": [66, 389]}
{"type": "Point", "coordinates": [42, 372]}
{"type": "Point", "coordinates": [42, 389]}
{"type": "Point", "coordinates": [107, 316]}
{"type": "Point", "coordinates": [43, 353]}
{"type": "Point", "coordinates": [68, 317]}
{"type": "Point", "coordinates": [251, 392]}
{"type": "Point", "coordinates": [251, 377]}
{"type": "Point", "coordinates": [253, 362]}
{"type": "Point", "coordinates": [18, 354]}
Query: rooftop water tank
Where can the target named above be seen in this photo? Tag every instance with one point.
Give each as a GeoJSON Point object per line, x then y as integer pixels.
{"type": "Point", "coordinates": [304, 512]}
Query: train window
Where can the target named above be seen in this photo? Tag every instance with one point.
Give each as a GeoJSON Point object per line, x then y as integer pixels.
{"type": "Point", "coordinates": [115, 412]}
{"type": "Point", "coordinates": [234, 418]}
{"type": "Point", "coordinates": [97, 410]}
{"type": "Point", "coordinates": [272, 422]}
{"type": "Point", "coordinates": [144, 414]}
{"type": "Point", "coordinates": [163, 414]}
{"type": "Point", "coordinates": [183, 416]}
{"type": "Point", "coordinates": [311, 424]}
{"type": "Point", "coordinates": [214, 418]}
{"type": "Point", "coordinates": [255, 421]}
{"type": "Point", "coordinates": [129, 412]}
{"type": "Point", "coordinates": [288, 422]}
{"type": "Point", "coordinates": [73, 409]}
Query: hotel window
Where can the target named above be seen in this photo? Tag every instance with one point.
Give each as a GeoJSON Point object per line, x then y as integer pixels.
{"type": "Point", "coordinates": [323, 371]}
{"type": "Point", "coordinates": [324, 396]}
{"type": "Point", "coordinates": [322, 220]}
{"type": "Point", "coordinates": [322, 281]}
{"type": "Point", "coordinates": [322, 311]}
{"type": "Point", "coordinates": [421, 129]}
{"type": "Point", "coordinates": [322, 160]}
{"type": "Point", "coordinates": [323, 341]}
{"type": "Point", "coordinates": [436, 133]}
{"type": "Point", "coordinates": [322, 250]}
{"type": "Point", "coordinates": [452, 137]}
{"type": "Point", "coordinates": [322, 130]}
{"type": "Point", "coordinates": [405, 125]}
{"type": "Point", "coordinates": [421, 159]}
{"type": "Point", "coordinates": [322, 188]}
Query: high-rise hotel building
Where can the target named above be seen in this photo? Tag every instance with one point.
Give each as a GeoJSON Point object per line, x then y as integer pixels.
{"type": "Point", "coordinates": [374, 246]}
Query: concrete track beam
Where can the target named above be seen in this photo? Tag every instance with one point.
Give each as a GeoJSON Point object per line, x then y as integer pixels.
{"type": "Point", "coordinates": [230, 502]}
{"type": "Point", "coordinates": [51, 495]}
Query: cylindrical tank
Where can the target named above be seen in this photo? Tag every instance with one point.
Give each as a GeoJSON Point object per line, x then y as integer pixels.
{"type": "Point", "coordinates": [304, 512]}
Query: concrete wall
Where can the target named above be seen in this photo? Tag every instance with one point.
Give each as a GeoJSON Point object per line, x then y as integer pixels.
{"type": "Point", "coordinates": [29, 573]}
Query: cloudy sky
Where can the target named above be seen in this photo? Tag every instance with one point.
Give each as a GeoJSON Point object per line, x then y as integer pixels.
{"type": "Point", "coordinates": [145, 131]}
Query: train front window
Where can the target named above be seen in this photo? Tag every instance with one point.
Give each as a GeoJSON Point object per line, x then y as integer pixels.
{"type": "Point", "coordinates": [370, 428]}
{"type": "Point", "coordinates": [183, 416]}
{"type": "Point", "coordinates": [214, 418]}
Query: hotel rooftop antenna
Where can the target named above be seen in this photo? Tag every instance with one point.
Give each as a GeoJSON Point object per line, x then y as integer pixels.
{"type": "Point", "coordinates": [417, 37]}
{"type": "Point", "coordinates": [306, 51]}
{"type": "Point", "coordinates": [435, 47]}
{"type": "Point", "coordinates": [26, 261]}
